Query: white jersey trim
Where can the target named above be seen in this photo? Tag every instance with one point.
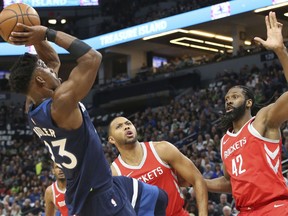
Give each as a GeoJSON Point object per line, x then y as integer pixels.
{"type": "Point", "coordinates": [142, 161]}
{"type": "Point", "coordinates": [53, 193]}
{"type": "Point", "coordinates": [116, 168]}
{"type": "Point", "coordinates": [221, 143]}
{"type": "Point", "coordinates": [59, 190]}
{"type": "Point", "coordinates": [255, 133]}
{"type": "Point", "coordinates": [157, 156]}
{"type": "Point", "coordinates": [236, 134]}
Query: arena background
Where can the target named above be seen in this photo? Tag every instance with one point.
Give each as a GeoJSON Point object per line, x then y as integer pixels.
{"type": "Point", "coordinates": [170, 85]}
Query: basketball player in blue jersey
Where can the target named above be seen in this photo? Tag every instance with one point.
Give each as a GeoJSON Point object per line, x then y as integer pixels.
{"type": "Point", "coordinates": [59, 119]}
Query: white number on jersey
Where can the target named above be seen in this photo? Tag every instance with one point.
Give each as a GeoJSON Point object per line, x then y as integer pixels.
{"type": "Point", "coordinates": [237, 165]}
{"type": "Point", "coordinates": [62, 152]}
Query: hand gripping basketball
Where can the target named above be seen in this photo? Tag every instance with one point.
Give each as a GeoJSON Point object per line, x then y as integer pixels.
{"type": "Point", "coordinates": [30, 35]}
{"type": "Point", "coordinates": [17, 13]}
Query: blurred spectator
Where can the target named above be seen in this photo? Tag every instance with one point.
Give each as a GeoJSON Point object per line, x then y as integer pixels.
{"type": "Point", "coordinates": [37, 208]}
{"type": "Point", "coordinates": [227, 211]}
{"type": "Point", "coordinates": [218, 171]}
{"type": "Point", "coordinates": [223, 202]}
{"type": "Point", "coordinates": [16, 210]}
{"type": "Point", "coordinates": [212, 211]}
{"type": "Point", "coordinates": [208, 173]}
{"type": "Point", "coordinates": [26, 208]}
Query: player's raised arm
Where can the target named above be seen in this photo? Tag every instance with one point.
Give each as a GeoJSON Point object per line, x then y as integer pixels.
{"type": "Point", "coordinates": [274, 40]}
{"type": "Point", "coordinates": [187, 170]}
{"type": "Point", "coordinates": [68, 94]}
{"type": "Point", "coordinates": [82, 76]}
{"type": "Point", "coordinates": [46, 52]}
{"type": "Point", "coordinates": [275, 114]}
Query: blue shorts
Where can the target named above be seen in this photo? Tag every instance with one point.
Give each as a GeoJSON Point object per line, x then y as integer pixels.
{"type": "Point", "coordinates": [126, 197]}
{"type": "Point", "coordinates": [147, 200]}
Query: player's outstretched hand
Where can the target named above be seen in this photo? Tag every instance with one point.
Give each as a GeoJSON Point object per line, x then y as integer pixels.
{"type": "Point", "coordinates": [274, 39]}
{"type": "Point", "coordinates": [30, 35]}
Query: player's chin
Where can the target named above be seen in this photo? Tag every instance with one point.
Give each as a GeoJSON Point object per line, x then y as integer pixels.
{"type": "Point", "coordinates": [130, 137]}
{"type": "Point", "coordinates": [61, 177]}
{"type": "Point", "coordinates": [59, 81]}
{"type": "Point", "coordinates": [130, 140]}
{"type": "Point", "coordinates": [56, 85]}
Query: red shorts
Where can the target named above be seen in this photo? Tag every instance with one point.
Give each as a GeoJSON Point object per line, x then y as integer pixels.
{"type": "Point", "coordinates": [276, 208]}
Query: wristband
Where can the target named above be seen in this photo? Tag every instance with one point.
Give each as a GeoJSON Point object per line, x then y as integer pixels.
{"type": "Point", "coordinates": [51, 35]}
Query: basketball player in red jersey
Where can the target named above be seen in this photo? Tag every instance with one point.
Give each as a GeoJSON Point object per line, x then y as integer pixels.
{"type": "Point", "coordinates": [55, 194]}
{"type": "Point", "coordinates": [251, 147]}
{"type": "Point", "coordinates": [156, 163]}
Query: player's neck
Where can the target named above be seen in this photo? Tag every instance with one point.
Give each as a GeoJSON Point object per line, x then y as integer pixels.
{"type": "Point", "coordinates": [237, 125]}
{"type": "Point", "coordinates": [61, 184]}
{"type": "Point", "coordinates": [134, 155]}
{"type": "Point", "coordinates": [39, 96]}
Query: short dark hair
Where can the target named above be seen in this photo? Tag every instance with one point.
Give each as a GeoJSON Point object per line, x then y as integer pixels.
{"type": "Point", "coordinates": [109, 126]}
{"type": "Point", "coordinates": [21, 73]}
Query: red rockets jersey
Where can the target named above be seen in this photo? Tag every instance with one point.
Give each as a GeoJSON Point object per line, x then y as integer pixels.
{"type": "Point", "coordinates": [253, 163]}
{"type": "Point", "coordinates": [154, 171]}
{"type": "Point", "coordinates": [59, 199]}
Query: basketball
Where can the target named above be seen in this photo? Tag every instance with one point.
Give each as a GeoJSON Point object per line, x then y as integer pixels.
{"type": "Point", "coordinates": [17, 13]}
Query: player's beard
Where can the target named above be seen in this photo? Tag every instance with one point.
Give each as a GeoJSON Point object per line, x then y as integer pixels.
{"type": "Point", "coordinates": [228, 118]}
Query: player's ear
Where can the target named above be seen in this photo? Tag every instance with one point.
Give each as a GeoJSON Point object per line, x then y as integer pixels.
{"type": "Point", "coordinates": [249, 103]}
{"type": "Point", "coordinates": [111, 140]}
{"type": "Point", "coordinates": [39, 80]}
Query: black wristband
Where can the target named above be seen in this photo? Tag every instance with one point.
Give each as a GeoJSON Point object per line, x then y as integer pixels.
{"type": "Point", "coordinates": [78, 48]}
{"type": "Point", "coordinates": [51, 35]}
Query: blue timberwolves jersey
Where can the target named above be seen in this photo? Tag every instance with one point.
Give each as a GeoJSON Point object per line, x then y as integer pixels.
{"type": "Point", "coordinates": [78, 152]}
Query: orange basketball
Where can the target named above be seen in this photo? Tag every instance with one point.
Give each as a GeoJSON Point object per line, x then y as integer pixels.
{"type": "Point", "coordinates": [17, 13]}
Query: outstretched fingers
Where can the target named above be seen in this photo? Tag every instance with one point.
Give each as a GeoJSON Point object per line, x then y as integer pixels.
{"type": "Point", "coordinates": [272, 19]}
{"type": "Point", "coordinates": [273, 22]}
{"type": "Point", "coordinates": [267, 21]}
{"type": "Point", "coordinates": [258, 40]}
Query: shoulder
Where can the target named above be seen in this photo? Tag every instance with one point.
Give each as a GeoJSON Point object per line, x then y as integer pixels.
{"type": "Point", "coordinates": [264, 111]}
{"type": "Point", "coordinates": [49, 193]}
{"type": "Point", "coordinates": [162, 146]}
{"type": "Point", "coordinates": [49, 189]}
{"type": "Point", "coordinates": [262, 116]}
{"type": "Point", "coordinates": [165, 150]}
